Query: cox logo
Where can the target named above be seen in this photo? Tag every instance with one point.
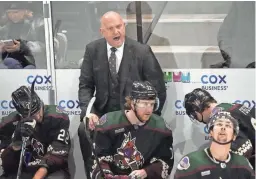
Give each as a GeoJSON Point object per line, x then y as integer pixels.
{"type": "Point", "coordinates": [179, 104]}
{"type": "Point", "coordinates": [180, 108]}
{"type": "Point", "coordinates": [4, 104]}
{"type": "Point", "coordinates": [206, 129]}
{"type": "Point", "coordinates": [70, 104]}
{"type": "Point", "coordinates": [39, 79]}
{"type": "Point", "coordinates": [207, 132]}
{"type": "Point", "coordinates": [213, 79]}
{"type": "Point", "coordinates": [247, 103]}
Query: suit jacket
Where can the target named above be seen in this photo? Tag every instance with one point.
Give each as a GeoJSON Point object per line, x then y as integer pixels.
{"type": "Point", "coordinates": [138, 63]}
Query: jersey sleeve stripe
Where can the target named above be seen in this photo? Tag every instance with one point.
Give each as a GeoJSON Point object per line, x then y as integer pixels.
{"type": "Point", "coordinates": [194, 171]}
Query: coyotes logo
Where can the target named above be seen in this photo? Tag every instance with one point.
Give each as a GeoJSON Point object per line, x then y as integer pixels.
{"type": "Point", "coordinates": [128, 155]}
{"type": "Point", "coordinates": [37, 147]}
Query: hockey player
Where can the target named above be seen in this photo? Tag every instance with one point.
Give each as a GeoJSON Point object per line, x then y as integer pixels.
{"type": "Point", "coordinates": [200, 105]}
{"type": "Point", "coordinates": [134, 142]}
{"type": "Point", "coordinates": [217, 161]}
{"type": "Point", "coordinates": [48, 145]}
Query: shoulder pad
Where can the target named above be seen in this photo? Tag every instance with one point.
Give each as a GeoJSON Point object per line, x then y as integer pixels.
{"type": "Point", "coordinates": [111, 119]}
{"type": "Point", "coordinates": [54, 111]}
{"type": "Point", "coordinates": [13, 117]}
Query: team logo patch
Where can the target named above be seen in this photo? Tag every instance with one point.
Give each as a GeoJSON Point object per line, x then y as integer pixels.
{"type": "Point", "coordinates": [184, 164]}
{"type": "Point", "coordinates": [216, 110]}
{"type": "Point", "coordinates": [38, 147]}
{"type": "Point", "coordinates": [103, 120]}
{"type": "Point", "coordinates": [60, 110]}
{"type": "Point", "coordinates": [128, 155]}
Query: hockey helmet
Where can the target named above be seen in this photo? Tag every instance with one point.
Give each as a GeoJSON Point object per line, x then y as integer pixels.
{"type": "Point", "coordinates": [195, 101]}
{"type": "Point", "coordinates": [144, 90]}
{"type": "Point", "coordinates": [21, 101]}
{"type": "Point", "coordinates": [221, 114]}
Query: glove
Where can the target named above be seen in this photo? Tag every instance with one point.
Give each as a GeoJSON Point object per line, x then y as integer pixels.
{"type": "Point", "coordinates": [25, 127]}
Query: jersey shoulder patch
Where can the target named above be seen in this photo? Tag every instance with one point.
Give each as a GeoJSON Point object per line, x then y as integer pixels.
{"type": "Point", "coordinates": [111, 119]}
{"type": "Point", "coordinates": [60, 110]}
{"type": "Point", "coordinates": [53, 111]}
{"type": "Point", "coordinates": [216, 110]}
{"type": "Point", "coordinates": [228, 106]}
{"type": "Point", "coordinates": [192, 161]}
{"type": "Point", "coordinates": [103, 120]}
{"type": "Point", "coordinates": [184, 163]}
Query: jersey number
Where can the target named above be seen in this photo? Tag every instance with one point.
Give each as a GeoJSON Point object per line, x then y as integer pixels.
{"type": "Point", "coordinates": [61, 136]}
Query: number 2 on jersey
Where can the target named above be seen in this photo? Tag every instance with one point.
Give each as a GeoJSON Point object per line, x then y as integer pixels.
{"type": "Point", "coordinates": [61, 136]}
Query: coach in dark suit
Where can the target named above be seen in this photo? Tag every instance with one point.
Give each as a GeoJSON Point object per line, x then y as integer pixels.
{"type": "Point", "coordinates": [110, 66]}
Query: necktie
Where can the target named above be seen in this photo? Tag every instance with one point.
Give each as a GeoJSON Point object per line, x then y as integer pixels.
{"type": "Point", "coordinates": [112, 61]}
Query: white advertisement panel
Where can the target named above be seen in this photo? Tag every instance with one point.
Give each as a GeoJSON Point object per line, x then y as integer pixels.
{"type": "Point", "coordinates": [225, 85]}
{"type": "Point", "coordinates": [13, 79]}
{"type": "Point", "coordinates": [232, 85]}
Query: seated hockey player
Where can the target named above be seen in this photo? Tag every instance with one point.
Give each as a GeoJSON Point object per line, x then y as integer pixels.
{"type": "Point", "coordinates": [48, 144]}
{"type": "Point", "coordinates": [199, 105]}
{"type": "Point", "coordinates": [134, 143]}
{"type": "Point", "coordinates": [217, 161]}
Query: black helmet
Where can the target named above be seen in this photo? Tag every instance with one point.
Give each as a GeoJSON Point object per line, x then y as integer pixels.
{"type": "Point", "coordinates": [143, 90]}
{"type": "Point", "coordinates": [195, 101]}
{"type": "Point", "coordinates": [221, 114]}
{"type": "Point", "coordinates": [21, 101]}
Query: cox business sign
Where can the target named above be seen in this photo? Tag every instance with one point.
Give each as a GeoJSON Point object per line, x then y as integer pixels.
{"type": "Point", "coordinates": [6, 107]}
{"type": "Point", "coordinates": [41, 83]}
{"type": "Point", "coordinates": [72, 107]}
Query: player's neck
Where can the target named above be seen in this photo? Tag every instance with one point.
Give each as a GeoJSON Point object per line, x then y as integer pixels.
{"type": "Point", "coordinates": [132, 118]}
{"type": "Point", "coordinates": [220, 152]}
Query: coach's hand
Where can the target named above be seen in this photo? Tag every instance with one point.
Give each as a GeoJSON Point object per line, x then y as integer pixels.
{"type": "Point", "coordinates": [93, 121]}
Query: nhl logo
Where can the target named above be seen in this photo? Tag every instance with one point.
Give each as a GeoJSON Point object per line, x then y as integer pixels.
{"type": "Point", "coordinates": [223, 165]}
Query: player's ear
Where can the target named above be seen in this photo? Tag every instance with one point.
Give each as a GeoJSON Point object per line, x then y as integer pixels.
{"type": "Point", "coordinates": [132, 105]}
{"type": "Point", "coordinates": [210, 134]}
{"type": "Point", "coordinates": [234, 137]}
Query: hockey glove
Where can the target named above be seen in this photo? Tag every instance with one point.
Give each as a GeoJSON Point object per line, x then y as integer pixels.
{"type": "Point", "coordinates": [26, 127]}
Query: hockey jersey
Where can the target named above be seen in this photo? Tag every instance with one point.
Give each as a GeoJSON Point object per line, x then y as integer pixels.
{"type": "Point", "coordinates": [49, 144]}
{"type": "Point", "coordinates": [122, 147]}
{"type": "Point", "coordinates": [245, 141]}
{"type": "Point", "coordinates": [201, 165]}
